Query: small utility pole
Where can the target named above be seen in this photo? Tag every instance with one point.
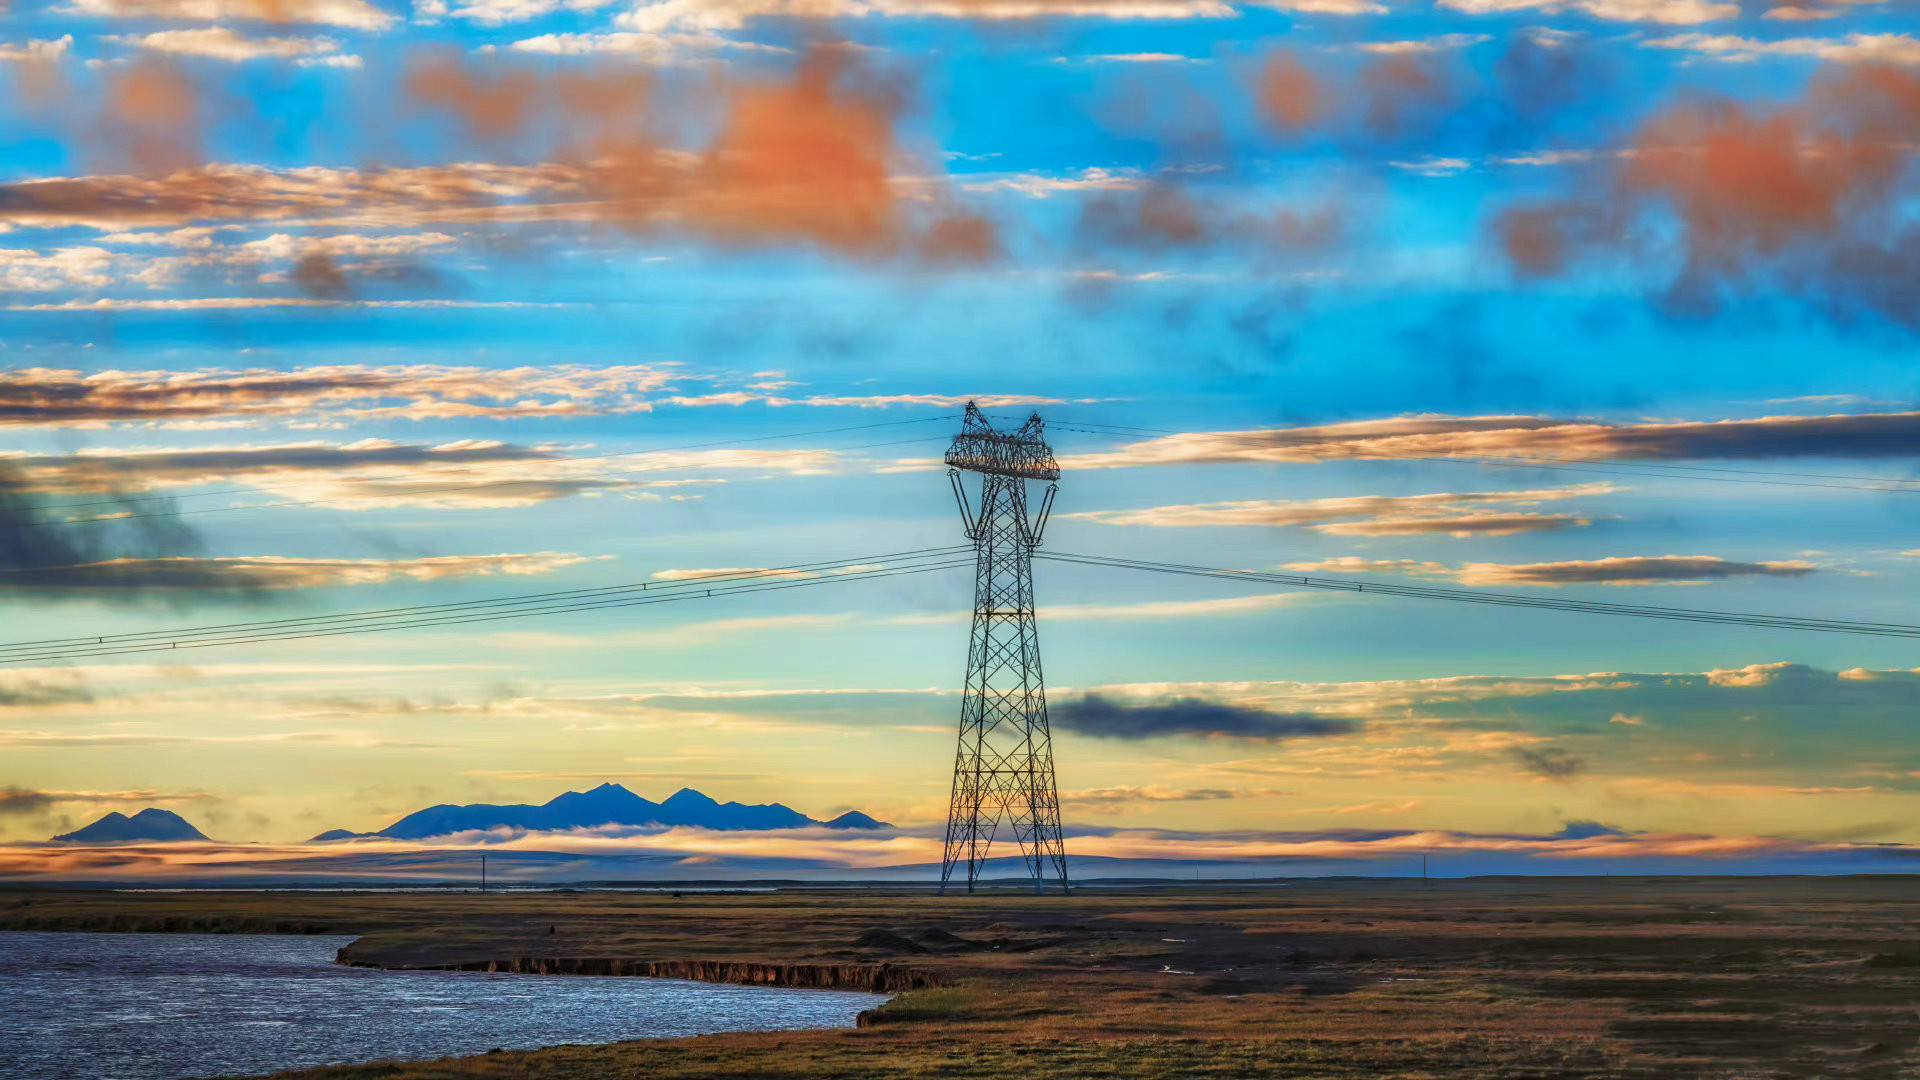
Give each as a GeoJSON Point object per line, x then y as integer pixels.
{"type": "Point", "coordinates": [483, 871]}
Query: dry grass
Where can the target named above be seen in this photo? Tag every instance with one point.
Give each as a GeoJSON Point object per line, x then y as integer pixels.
{"type": "Point", "coordinates": [1655, 978]}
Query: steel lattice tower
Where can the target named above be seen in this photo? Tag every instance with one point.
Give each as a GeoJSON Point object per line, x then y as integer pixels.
{"type": "Point", "coordinates": [1003, 772]}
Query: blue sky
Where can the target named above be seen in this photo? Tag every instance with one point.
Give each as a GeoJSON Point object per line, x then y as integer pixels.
{"type": "Point", "coordinates": [1604, 299]}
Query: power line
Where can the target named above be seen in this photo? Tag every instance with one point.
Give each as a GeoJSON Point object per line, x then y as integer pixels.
{"type": "Point", "coordinates": [481, 486]}
{"type": "Point", "coordinates": [801, 575]}
{"type": "Point", "coordinates": [1783, 622]}
{"type": "Point", "coordinates": [1621, 468]}
{"type": "Point", "coordinates": [656, 586]}
{"type": "Point", "coordinates": [697, 589]}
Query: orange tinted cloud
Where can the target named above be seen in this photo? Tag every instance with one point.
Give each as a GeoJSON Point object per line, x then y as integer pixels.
{"type": "Point", "coordinates": [806, 159]}
{"type": "Point", "coordinates": [1166, 215]}
{"type": "Point", "coordinates": [151, 117]}
{"type": "Point", "coordinates": [1401, 93]}
{"type": "Point", "coordinates": [810, 159]}
{"type": "Point", "coordinates": [1802, 194]}
{"type": "Point", "coordinates": [1395, 94]}
{"type": "Point", "coordinates": [1861, 435]}
{"type": "Point", "coordinates": [1290, 96]}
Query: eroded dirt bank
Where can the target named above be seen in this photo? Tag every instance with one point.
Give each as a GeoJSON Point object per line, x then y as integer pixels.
{"type": "Point", "coordinates": [870, 978]}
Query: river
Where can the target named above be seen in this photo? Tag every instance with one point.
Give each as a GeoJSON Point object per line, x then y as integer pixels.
{"type": "Point", "coordinates": [171, 1006]}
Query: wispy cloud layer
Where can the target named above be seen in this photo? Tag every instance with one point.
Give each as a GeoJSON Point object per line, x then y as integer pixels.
{"type": "Point", "coordinates": [1866, 435]}
{"type": "Point", "coordinates": [47, 396]}
{"type": "Point", "coordinates": [1376, 515]}
{"type": "Point", "coordinates": [1621, 570]}
{"type": "Point", "coordinates": [213, 578]}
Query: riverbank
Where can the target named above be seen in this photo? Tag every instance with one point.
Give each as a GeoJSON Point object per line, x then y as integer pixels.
{"type": "Point", "coordinates": [1619, 977]}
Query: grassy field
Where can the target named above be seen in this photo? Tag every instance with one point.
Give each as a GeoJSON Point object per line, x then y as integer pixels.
{"type": "Point", "coordinates": [1595, 977]}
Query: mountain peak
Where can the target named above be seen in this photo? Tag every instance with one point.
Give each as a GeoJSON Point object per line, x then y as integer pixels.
{"type": "Point", "coordinates": [607, 804]}
{"type": "Point", "coordinates": [151, 825]}
{"type": "Point", "coordinates": [854, 819]}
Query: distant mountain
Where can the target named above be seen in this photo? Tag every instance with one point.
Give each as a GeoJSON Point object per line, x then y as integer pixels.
{"type": "Point", "coordinates": [608, 804]}
{"type": "Point", "coordinates": [337, 834]}
{"type": "Point", "coordinates": [148, 826]}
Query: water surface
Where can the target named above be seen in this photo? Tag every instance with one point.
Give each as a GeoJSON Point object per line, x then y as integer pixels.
{"type": "Point", "coordinates": [170, 1006]}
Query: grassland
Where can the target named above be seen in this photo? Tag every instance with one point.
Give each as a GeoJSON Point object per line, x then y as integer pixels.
{"type": "Point", "coordinates": [1547, 978]}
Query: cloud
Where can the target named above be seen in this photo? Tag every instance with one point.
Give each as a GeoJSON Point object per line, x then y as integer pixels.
{"type": "Point", "coordinates": [351, 14]}
{"type": "Point", "coordinates": [1291, 96]}
{"type": "Point", "coordinates": [1355, 564]}
{"type": "Point", "coordinates": [36, 51]}
{"type": "Point", "coordinates": [1166, 609]}
{"type": "Point", "coordinates": [807, 160]}
{"type": "Point", "coordinates": [57, 397]}
{"type": "Point", "coordinates": [50, 740]}
{"type": "Point", "coordinates": [91, 267]}
{"type": "Point", "coordinates": [1672, 788]}
{"type": "Point", "coordinates": [1438, 43]}
{"type": "Point", "coordinates": [16, 801]}
{"type": "Point", "coordinates": [1433, 166]}
{"type": "Point", "coordinates": [226, 577]}
{"type": "Point", "coordinates": [730, 571]}
{"type": "Point", "coordinates": [375, 473]}
{"type": "Point", "coordinates": [1124, 798]}
{"type": "Point", "coordinates": [1322, 7]}
{"type": "Point", "coordinates": [1729, 202]}
{"type": "Point", "coordinates": [718, 15]}
{"type": "Point", "coordinates": [1042, 186]}
{"type": "Point", "coordinates": [1379, 515]}
{"type": "Point", "coordinates": [35, 693]}
{"type": "Point", "coordinates": [1792, 13]}
{"type": "Point", "coordinates": [1630, 570]}
{"type": "Point", "coordinates": [1152, 793]}
{"type": "Point", "coordinates": [22, 270]}
{"type": "Point", "coordinates": [1107, 718]}
{"type": "Point", "coordinates": [1402, 93]}
{"type": "Point", "coordinates": [1670, 12]}
{"type": "Point", "coordinates": [655, 48]}
{"type": "Point", "coordinates": [1771, 724]}
{"type": "Point", "coordinates": [615, 152]}
{"type": "Point", "coordinates": [37, 535]}
{"type": "Point", "coordinates": [246, 303]}
{"type": "Point", "coordinates": [1550, 762]}
{"type": "Point", "coordinates": [1127, 58]}
{"type": "Point", "coordinates": [1381, 806]}
{"type": "Point", "coordinates": [1636, 570]}
{"type": "Point", "coordinates": [1412, 438]}
{"type": "Point", "coordinates": [1461, 526]}
{"type": "Point", "coordinates": [378, 198]}
{"type": "Point", "coordinates": [222, 43]}
{"type": "Point", "coordinates": [1852, 49]}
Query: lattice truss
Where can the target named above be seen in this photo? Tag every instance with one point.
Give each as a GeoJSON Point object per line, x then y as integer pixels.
{"type": "Point", "coordinates": [1003, 771]}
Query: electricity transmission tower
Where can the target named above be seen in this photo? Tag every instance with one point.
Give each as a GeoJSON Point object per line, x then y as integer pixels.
{"type": "Point", "coordinates": [1004, 769]}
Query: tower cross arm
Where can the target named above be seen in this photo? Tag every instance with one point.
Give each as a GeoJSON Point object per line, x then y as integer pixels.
{"type": "Point", "coordinates": [1021, 453]}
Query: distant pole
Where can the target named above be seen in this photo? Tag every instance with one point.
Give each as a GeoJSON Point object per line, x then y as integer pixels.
{"type": "Point", "coordinates": [483, 871]}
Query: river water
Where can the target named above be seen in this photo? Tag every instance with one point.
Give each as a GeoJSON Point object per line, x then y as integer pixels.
{"type": "Point", "coordinates": [170, 1006]}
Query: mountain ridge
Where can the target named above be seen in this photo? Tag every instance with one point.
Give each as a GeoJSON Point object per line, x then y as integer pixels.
{"type": "Point", "coordinates": [150, 826]}
{"type": "Point", "coordinates": [607, 804]}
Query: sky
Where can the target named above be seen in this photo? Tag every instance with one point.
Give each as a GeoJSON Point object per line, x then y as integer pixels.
{"type": "Point", "coordinates": [311, 306]}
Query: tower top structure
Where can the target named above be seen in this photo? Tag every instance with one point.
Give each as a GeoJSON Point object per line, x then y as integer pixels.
{"type": "Point", "coordinates": [1022, 453]}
